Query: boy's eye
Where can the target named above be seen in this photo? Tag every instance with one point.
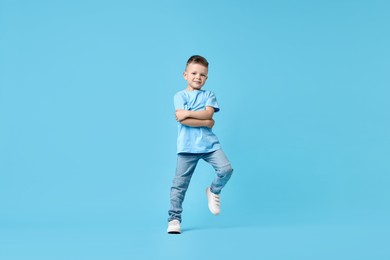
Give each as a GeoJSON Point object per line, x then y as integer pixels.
{"type": "Point", "coordinates": [202, 75]}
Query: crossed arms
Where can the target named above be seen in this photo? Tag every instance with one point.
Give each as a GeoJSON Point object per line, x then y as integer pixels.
{"type": "Point", "coordinates": [196, 118]}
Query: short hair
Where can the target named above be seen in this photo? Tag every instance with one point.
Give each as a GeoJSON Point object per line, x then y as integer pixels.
{"type": "Point", "coordinates": [197, 59]}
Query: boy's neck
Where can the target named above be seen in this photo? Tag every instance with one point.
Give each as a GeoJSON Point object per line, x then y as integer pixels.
{"type": "Point", "coordinates": [192, 89]}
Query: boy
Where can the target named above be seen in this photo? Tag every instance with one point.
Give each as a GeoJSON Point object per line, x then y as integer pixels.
{"type": "Point", "coordinates": [194, 112]}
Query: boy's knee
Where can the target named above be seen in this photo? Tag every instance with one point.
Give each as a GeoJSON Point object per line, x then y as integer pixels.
{"type": "Point", "coordinates": [225, 170]}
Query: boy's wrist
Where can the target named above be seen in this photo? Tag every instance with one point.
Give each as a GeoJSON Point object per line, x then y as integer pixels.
{"type": "Point", "coordinates": [188, 114]}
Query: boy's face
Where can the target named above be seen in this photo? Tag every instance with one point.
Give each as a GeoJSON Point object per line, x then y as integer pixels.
{"type": "Point", "coordinates": [195, 75]}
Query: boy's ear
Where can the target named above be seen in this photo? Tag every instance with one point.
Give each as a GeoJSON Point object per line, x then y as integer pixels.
{"type": "Point", "coordinates": [185, 75]}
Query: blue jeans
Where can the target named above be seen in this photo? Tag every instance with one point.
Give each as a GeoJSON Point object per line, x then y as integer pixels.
{"type": "Point", "coordinates": [186, 164]}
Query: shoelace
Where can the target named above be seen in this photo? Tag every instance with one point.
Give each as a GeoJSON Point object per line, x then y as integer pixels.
{"type": "Point", "coordinates": [215, 198]}
{"type": "Point", "coordinates": [174, 223]}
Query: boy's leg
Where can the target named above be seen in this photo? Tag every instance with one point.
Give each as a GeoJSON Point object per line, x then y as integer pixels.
{"type": "Point", "coordinates": [223, 169]}
{"type": "Point", "coordinates": [186, 164]}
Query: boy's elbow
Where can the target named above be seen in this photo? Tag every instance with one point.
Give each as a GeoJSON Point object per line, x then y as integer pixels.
{"type": "Point", "coordinates": [210, 112]}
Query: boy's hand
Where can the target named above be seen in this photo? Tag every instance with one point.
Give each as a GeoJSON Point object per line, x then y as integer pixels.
{"type": "Point", "coordinates": [181, 114]}
{"type": "Point", "coordinates": [210, 123]}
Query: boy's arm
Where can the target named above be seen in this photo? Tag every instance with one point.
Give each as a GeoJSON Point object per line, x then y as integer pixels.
{"type": "Point", "coordinates": [197, 122]}
{"type": "Point", "coordinates": [206, 114]}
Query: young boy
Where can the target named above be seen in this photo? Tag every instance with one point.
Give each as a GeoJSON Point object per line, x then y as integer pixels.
{"type": "Point", "coordinates": [194, 112]}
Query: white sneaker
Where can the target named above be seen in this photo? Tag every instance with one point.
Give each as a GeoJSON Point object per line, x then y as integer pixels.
{"type": "Point", "coordinates": [174, 227]}
{"type": "Point", "coordinates": [214, 203]}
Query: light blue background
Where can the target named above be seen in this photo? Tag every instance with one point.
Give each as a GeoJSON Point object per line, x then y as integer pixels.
{"type": "Point", "coordinates": [88, 136]}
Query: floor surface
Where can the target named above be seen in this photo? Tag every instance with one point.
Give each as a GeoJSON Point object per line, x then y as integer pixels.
{"type": "Point", "coordinates": [200, 241]}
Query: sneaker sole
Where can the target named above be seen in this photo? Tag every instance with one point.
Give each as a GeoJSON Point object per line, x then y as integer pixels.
{"type": "Point", "coordinates": [174, 232]}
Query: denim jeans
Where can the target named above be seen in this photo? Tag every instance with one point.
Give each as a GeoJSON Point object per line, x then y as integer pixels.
{"type": "Point", "coordinates": [186, 164]}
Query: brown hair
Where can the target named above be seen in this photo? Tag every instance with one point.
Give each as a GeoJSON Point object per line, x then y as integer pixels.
{"type": "Point", "coordinates": [197, 59]}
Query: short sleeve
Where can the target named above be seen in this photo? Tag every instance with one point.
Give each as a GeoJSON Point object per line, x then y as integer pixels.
{"type": "Point", "coordinates": [212, 102]}
{"type": "Point", "coordinates": [179, 101]}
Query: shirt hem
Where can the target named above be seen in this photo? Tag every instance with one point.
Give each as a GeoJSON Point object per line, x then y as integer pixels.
{"type": "Point", "coordinates": [199, 152]}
